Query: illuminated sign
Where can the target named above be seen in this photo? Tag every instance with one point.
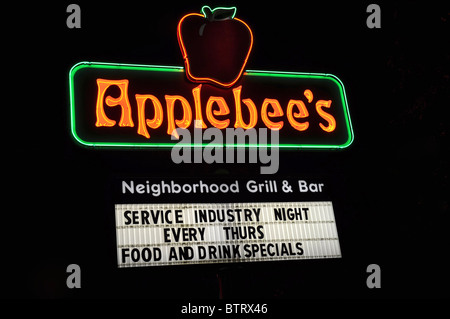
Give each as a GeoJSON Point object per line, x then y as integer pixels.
{"type": "Point", "coordinates": [140, 106]}
{"type": "Point", "coordinates": [127, 105]}
{"type": "Point", "coordinates": [196, 233]}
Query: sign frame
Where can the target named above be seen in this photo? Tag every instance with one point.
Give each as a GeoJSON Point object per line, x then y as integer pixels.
{"type": "Point", "coordinates": [160, 68]}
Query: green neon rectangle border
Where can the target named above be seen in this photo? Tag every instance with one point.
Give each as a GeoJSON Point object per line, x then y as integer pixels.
{"type": "Point", "coordinates": [160, 68]}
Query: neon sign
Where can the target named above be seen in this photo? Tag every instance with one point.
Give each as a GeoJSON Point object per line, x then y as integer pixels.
{"type": "Point", "coordinates": [127, 105]}
{"type": "Point", "coordinates": [214, 43]}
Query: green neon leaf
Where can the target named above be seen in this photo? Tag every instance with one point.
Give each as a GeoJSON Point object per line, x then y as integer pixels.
{"type": "Point", "coordinates": [219, 13]}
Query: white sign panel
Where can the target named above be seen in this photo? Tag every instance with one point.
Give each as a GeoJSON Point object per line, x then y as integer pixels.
{"type": "Point", "coordinates": [174, 234]}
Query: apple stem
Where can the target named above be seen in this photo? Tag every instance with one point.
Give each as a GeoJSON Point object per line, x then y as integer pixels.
{"type": "Point", "coordinates": [219, 13]}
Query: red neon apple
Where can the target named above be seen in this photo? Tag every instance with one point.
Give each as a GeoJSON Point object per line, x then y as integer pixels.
{"type": "Point", "coordinates": [215, 45]}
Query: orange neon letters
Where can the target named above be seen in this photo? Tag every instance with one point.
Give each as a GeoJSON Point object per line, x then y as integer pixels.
{"type": "Point", "coordinates": [303, 113]}
{"type": "Point", "coordinates": [277, 111]}
{"type": "Point", "coordinates": [187, 114]}
{"type": "Point", "coordinates": [157, 119]}
{"type": "Point", "coordinates": [309, 95]}
{"type": "Point", "coordinates": [122, 100]}
{"type": "Point", "coordinates": [223, 110]}
{"type": "Point", "coordinates": [327, 117]}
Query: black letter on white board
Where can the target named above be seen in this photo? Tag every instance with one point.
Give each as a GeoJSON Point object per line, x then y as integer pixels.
{"type": "Point", "coordinates": [74, 19]}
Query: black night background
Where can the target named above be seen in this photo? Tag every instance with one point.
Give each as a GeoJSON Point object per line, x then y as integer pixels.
{"type": "Point", "coordinates": [390, 187]}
